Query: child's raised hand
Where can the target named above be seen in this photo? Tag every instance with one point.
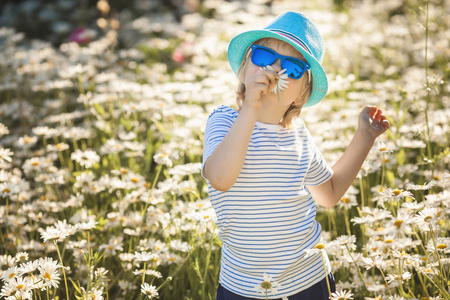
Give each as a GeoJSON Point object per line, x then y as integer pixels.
{"type": "Point", "coordinates": [372, 121]}
{"type": "Point", "coordinates": [259, 84]}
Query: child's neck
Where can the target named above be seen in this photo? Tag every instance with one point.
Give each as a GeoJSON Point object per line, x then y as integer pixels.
{"type": "Point", "coordinates": [270, 114]}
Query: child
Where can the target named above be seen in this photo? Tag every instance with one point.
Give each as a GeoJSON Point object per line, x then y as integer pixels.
{"type": "Point", "coordinates": [263, 170]}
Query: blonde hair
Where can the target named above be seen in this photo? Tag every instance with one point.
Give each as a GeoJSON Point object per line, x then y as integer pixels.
{"type": "Point", "coordinates": [296, 107]}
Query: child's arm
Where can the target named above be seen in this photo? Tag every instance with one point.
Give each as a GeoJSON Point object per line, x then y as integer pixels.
{"type": "Point", "coordinates": [372, 123]}
{"type": "Point", "coordinates": [224, 165]}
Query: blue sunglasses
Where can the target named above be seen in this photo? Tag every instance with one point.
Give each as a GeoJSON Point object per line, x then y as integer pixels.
{"type": "Point", "coordinates": [262, 56]}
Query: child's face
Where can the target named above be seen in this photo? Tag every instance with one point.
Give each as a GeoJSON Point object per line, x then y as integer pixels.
{"type": "Point", "coordinates": [291, 93]}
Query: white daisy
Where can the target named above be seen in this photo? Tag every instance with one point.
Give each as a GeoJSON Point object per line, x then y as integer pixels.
{"type": "Point", "coordinates": [5, 155]}
{"type": "Point", "coordinates": [21, 257]}
{"type": "Point", "coordinates": [49, 274]}
{"type": "Point", "coordinates": [395, 277]}
{"type": "Point", "coordinates": [54, 234]}
{"type": "Point", "coordinates": [86, 158]}
{"type": "Point", "coordinates": [10, 274]}
{"type": "Point", "coordinates": [426, 218]}
{"type": "Point", "coordinates": [282, 81]}
{"type": "Point", "coordinates": [149, 290]}
{"type": "Point", "coordinates": [267, 285]}
{"type": "Point", "coordinates": [341, 295]}
{"type": "Point", "coordinates": [442, 245]}
{"type": "Point", "coordinates": [377, 262]}
{"type": "Point", "coordinates": [144, 256]}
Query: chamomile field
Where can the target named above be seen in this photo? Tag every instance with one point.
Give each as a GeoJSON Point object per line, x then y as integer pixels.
{"type": "Point", "coordinates": [101, 142]}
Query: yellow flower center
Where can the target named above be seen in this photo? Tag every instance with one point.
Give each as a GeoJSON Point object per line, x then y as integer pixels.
{"type": "Point", "coordinates": [396, 192]}
{"type": "Point", "coordinates": [382, 149]}
{"type": "Point", "coordinates": [320, 246]}
{"type": "Point", "coordinates": [427, 218]}
{"type": "Point", "coordinates": [36, 163]}
{"type": "Point", "coordinates": [134, 180]}
{"type": "Point", "coordinates": [20, 286]}
{"type": "Point", "coordinates": [441, 246]}
{"type": "Point", "coordinates": [206, 217]}
{"type": "Point", "coordinates": [266, 285]}
{"type": "Point", "coordinates": [47, 276]}
{"type": "Point", "coordinates": [389, 241]}
{"type": "Point", "coordinates": [345, 200]}
{"type": "Point", "coordinates": [5, 191]}
{"type": "Point", "coordinates": [380, 229]}
{"type": "Point", "coordinates": [398, 223]}
{"type": "Point", "coordinates": [12, 275]}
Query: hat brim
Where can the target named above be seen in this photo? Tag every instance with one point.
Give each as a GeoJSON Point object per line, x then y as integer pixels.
{"type": "Point", "coordinates": [240, 43]}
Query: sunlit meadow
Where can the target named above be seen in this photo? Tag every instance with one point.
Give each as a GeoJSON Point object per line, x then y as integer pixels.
{"type": "Point", "coordinates": [101, 145]}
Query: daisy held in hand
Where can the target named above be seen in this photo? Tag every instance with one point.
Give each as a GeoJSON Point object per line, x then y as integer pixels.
{"type": "Point", "coordinates": [282, 82]}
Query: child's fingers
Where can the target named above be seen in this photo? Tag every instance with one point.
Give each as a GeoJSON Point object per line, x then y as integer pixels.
{"type": "Point", "coordinates": [377, 115]}
{"type": "Point", "coordinates": [267, 78]}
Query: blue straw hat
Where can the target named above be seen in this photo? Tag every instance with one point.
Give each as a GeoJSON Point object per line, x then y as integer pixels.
{"type": "Point", "coordinates": [297, 30]}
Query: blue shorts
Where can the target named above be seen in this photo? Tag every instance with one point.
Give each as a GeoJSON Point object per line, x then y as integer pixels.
{"type": "Point", "coordinates": [319, 291]}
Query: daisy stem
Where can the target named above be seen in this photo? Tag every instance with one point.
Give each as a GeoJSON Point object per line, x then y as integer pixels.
{"type": "Point", "coordinates": [443, 291]}
{"type": "Point", "coordinates": [63, 269]}
{"type": "Point", "coordinates": [421, 244]}
{"type": "Point", "coordinates": [384, 278]}
{"type": "Point", "coordinates": [401, 281]}
{"type": "Point", "coordinates": [326, 274]}
{"type": "Point", "coordinates": [143, 274]}
{"type": "Point", "coordinates": [437, 255]}
{"type": "Point", "coordinates": [278, 93]}
{"type": "Point", "coordinates": [425, 290]}
{"type": "Point", "coordinates": [89, 256]}
{"type": "Point", "coordinates": [359, 271]}
{"type": "Point", "coordinates": [48, 297]}
{"type": "Point", "coordinates": [169, 278]}
{"type": "Point", "coordinates": [427, 84]}
{"type": "Point", "coordinates": [347, 223]}
{"type": "Point", "coordinates": [6, 227]}
{"type": "Point", "coordinates": [383, 170]}
{"type": "Point", "coordinates": [156, 177]}
{"type": "Point", "coordinates": [159, 167]}
{"type": "Point", "coordinates": [361, 188]}
{"type": "Point", "coordinates": [267, 297]}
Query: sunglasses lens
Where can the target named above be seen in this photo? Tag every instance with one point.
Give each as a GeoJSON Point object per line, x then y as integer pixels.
{"type": "Point", "coordinates": [262, 57]}
{"type": "Point", "coordinates": [294, 68]}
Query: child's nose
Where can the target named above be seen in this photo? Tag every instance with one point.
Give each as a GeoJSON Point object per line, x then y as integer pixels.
{"type": "Point", "coordinates": [277, 65]}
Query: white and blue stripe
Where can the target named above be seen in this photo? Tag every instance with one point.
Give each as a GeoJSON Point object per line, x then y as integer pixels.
{"type": "Point", "coordinates": [267, 219]}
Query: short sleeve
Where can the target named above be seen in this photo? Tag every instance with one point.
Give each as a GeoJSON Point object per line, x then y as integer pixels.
{"type": "Point", "coordinates": [319, 170]}
{"type": "Point", "coordinates": [218, 124]}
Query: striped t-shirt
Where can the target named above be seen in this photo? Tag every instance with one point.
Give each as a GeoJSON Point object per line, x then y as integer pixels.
{"type": "Point", "coordinates": [267, 219]}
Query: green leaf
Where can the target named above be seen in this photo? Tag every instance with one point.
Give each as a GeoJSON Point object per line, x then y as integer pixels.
{"type": "Point", "coordinates": [401, 157]}
{"type": "Point", "coordinates": [390, 178]}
